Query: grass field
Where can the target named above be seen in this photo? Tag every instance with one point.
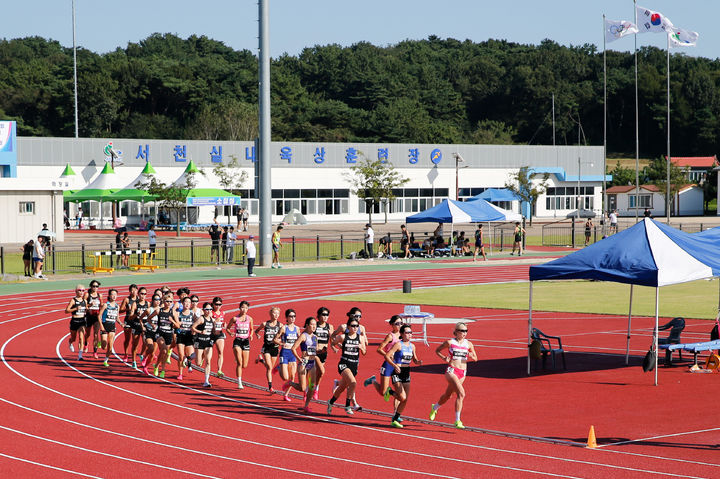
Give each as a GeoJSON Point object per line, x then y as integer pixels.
{"type": "Point", "coordinates": [698, 299]}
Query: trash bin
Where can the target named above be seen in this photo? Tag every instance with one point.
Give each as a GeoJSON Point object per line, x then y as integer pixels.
{"type": "Point", "coordinates": [407, 286]}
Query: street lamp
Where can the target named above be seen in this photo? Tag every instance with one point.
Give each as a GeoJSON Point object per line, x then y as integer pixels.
{"type": "Point", "coordinates": [458, 159]}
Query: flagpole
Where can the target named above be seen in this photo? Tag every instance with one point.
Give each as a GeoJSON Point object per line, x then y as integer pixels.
{"type": "Point", "coordinates": [667, 199]}
{"type": "Point", "coordinates": [637, 131]}
{"type": "Point", "coordinates": [604, 196]}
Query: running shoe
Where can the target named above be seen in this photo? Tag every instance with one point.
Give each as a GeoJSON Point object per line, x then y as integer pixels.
{"type": "Point", "coordinates": [143, 362]}
{"type": "Point", "coordinates": [369, 381]}
{"type": "Point", "coordinates": [279, 265]}
{"type": "Point", "coordinates": [156, 371]}
{"type": "Point", "coordinates": [316, 394]}
{"type": "Point", "coordinates": [349, 411]}
{"type": "Point", "coordinates": [397, 424]}
{"type": "Point", "coordinates": [80, 358]}
{"type": "Point", "coordinates": [307, 410]}
{"type": "Point", "coordinates": [329, 408]}
{"type": "Point", "coordinates": [387, 394]}
{"type": "Point", "coordinates": [207, 385]}
{"type": "Point", "coordinates": [97, 344]}
{"type": "Point", "coordinates": [134, 364]}
{"type": "Point", "coordinates": [106, 363]}
{"type": "Point", "coordinates": [145, 370]}
{"type": "Point", "coordinates": [240, 384]}
{"type": "Point", "coordinates": [142, 359]}
{"type": "Point", "coordinates": [273, 266]}
{"type": "Point", "coordinates": [179, 377]}
{"type": "Point", "coordinates": [72, 348]}
{"type": "Point", "coordinates": [189, 368]}
{"type": "Point", "coordinates": [271, 391]}
{"type": "Point", "coordinates": [124, 359]}
{"type": "Point", "coordinates": [459, 425]}
{"type": "Point", "coordinates": [335, 385]}
{"type": "Point", "coordinates": [95, 355]}
{"type": "Point", "coordinates": [169, 358]}
{"type": "Point", "coordinates": [220, 374]}
{"type": "Point", "coordinates": [287, 398]}
{"type": "Point", "coordinates": [433, 413]}
{"type": "Point", "coordinates": [356, 406]}
{"type": "Point", "coordinates": [162, 375]}
{"type": "Point", "coordinates": [259, 359]}
{"type": "Point", "coordinates": [400, 419]}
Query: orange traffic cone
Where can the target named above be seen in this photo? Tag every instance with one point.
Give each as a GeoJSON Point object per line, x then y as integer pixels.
{"type": "Point", "coordinates": [591, 442]}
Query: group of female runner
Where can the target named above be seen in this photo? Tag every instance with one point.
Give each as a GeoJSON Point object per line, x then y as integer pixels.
{"type": "Point", "coordinates": [154, 327]}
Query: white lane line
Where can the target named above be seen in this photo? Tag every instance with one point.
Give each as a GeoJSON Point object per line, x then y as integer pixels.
{"type": "Point", "coordinates": [632, 441]}
{"type": "Point", "coordinates": [114, 456]}
{"type": "Point", "coordinates": [48, 466]}
{"type": "Point", "coordinates": [286, 299]}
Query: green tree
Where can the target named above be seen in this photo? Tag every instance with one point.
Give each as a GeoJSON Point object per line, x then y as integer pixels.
{"type": "Point", "coordinates": [621, 176]}
{"type": "Point", "coordinates": [528, 186]}
{"type": "Point", "coordinates": [170, 195]}
{"type": "Point", "coordinates": [374, 182]}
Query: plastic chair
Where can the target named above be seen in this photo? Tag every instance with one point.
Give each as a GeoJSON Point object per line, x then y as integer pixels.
{"type": "Point", "coordinates": [676, 325]}
{"type": "Point", "coordinates": [546, 347]}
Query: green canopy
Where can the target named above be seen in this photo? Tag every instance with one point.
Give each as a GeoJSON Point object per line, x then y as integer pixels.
{"type": "Point", "coordinates": [131, 192]}
{"type": "Point", "coordinates": [99, 190]}
{"type": "Point", "coordinates": [68, 171]}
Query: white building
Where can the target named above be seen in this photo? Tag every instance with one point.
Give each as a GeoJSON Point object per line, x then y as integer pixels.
{"type": "Point", "coordinates": [312, 177]}
{"type": "Point", "coordinates": [687, 202]}
{"type": "Point", "coordinates": [25, 205]}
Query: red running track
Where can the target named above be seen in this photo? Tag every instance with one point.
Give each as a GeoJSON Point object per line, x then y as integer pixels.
{"type": "Point", "coordinates": [64, 418]}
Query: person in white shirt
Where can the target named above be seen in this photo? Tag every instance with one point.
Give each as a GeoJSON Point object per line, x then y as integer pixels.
{"type": "Point", "coordinates": [231, 237]}
{"type": "Point", "coordinates": [613, 221]}
{"type": "Point", "coordinates": [152, 238]}
{"type": "Point", "coordinates": [369, 239]}
{"type": "Point", "coordinates": [38, 257]}
{"type": "Point", "coordinates": [250, 254]}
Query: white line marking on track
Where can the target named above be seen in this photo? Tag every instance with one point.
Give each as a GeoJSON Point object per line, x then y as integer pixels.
{"type": "Point", "coordinates": [75, 473]}
{"type": "Point", "coordinates": [114, 456]}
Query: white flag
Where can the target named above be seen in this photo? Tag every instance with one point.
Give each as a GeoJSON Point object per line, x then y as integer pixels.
{"type": "Point", "coordinates": [615, 29]}
{"type": "Point", "coordinates": [682, 38]}
{"type": "Point", "coordinates": [650, 21]}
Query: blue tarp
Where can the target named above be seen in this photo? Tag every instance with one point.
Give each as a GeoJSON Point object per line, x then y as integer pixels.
{"type": "Point", "coordinates": [648, 254]}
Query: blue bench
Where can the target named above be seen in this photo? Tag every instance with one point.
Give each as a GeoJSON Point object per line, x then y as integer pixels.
{"type": "Point", "coordinates": [694, 348]}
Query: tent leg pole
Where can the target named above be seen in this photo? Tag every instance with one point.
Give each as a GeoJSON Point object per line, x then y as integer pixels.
{"type": "Point", "coordinates": [530, 305]}
{"type": "Point", "coordinates": [627, 347]}
{"type": "Point", "coordinates": [655, 339]}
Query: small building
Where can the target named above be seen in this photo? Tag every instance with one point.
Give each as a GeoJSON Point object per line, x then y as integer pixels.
{"type": "Point", "coordinates": [698, 166]}
{"type": "Point", "coordinates": [687, 202]}
{"type": "Point", "coordinates": [26, 204]}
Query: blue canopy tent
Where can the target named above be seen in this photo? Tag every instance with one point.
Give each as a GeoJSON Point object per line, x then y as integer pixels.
{"type": "Point", "coordinates": [496, 194]}
{"type": "Point", "coordinates": [648, 254]}
{"type": "Point", "coordinates": [451, 211]}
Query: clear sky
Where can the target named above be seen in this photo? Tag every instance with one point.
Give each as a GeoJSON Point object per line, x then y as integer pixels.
{"type": "Point", "coordinates": [104, 25]}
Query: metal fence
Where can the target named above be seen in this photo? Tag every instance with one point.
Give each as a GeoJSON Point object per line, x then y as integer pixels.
{"type": "Point", "coordinates": [572, 234]}
{"type": "Point", "coordinates": [181, 254]}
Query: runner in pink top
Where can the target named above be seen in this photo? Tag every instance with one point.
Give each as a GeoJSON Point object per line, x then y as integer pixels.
{"type": "Point", "coordinates": [459, 351]}
{"type": "Point", "coordinates": [240, 327]}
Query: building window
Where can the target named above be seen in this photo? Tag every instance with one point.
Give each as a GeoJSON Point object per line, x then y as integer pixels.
{"type": "Point", "coordinates": [645, 201]}
{"type": "Point", "coordinates": [568, 197]}
{"type": "Point", "coordinates": [27, 208]}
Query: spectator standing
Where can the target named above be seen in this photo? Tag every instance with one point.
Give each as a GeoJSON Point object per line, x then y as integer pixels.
{"type": "Point", "coordinates": [479, 243]}
{"type": "Point", "coordinates": [27, 250]}
{"type": "Point", "coordinates": [47, 238]}
{"type": "Point", "coordinates": [405, 241]}
{"type": "Point", "coordinates": [245, 218]}
{"type": "Point", "coordinates": [214, 233]}
{"type": "Point", "coordinates": [231, 238]}
{"type": "Point", "coordinates": [438, 231]}
{"type": "Point", "coordinates": [276, 245]}
{"type": "Point", "coordinates": [125, 243]}
{"type": "Point", "coordinates": [613, 221]}
{"type": "Point", "coordinates": [517, 238]}
{"type": "Point", "coordinates": [223, 242]}
{"type": "Point", "coordinates": [588, 231]}
{"type": "Point", "coordinates": [647, 213]}
{"type": "Point", "coordinates": [152, 238]}
{"type": "Point", "coordinates": [238, 217]}
{"type": "Point", "coordinates": [78, 217]}
{"type": "Point", "coordinates": [250, 254]}
{"type": "Point", "coordinates": [369, 240]}
{"type": "Point", "coordinates": [38, 257]}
